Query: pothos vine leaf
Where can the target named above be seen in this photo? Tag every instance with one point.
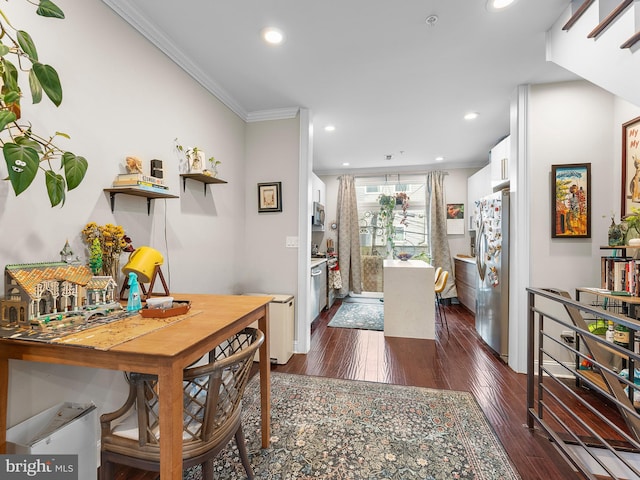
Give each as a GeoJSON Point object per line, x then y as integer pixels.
{"type": "Point", "coordinates": [22, 165]}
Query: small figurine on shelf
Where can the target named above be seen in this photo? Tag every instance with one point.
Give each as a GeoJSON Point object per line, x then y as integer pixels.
{"type": "Point", "coordinates": [134, 303]}
{"type": "Point", "coordinates": [134, 165]}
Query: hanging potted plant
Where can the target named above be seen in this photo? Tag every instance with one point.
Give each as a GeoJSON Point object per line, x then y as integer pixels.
{"type": "Point", "coordinates": [386, 215]}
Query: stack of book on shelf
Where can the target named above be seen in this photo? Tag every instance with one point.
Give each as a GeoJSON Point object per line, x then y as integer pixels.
{"type": "Point", "coordinates": [621, 274]}
{"type": "Point", "coordinates": [138, 180]}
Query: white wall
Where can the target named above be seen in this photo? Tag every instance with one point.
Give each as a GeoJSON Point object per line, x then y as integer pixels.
{"type": "Point", "coordinates": [272, 156]}
{"type": "Point", "coordinates": [455, 185]}
{"type": "Point", "coordinates": [570, 122]}
{"type": "Point", "coordinates": [124, 97]}
{"type": "Point", "coordinates": [599, 60]}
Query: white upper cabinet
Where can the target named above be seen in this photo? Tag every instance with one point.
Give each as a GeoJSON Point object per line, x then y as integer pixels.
{"type": "Point", "coordinates": [500, 163]}
{"type": "Point", "coordinates": [318, 189]}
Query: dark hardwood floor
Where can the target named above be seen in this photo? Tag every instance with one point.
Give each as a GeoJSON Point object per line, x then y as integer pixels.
{"type": "Point", "coordinates": [457, 361]}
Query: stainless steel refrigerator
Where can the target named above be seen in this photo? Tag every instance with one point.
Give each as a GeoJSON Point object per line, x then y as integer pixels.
{"type": "Point", "coordinates": [492, 260]}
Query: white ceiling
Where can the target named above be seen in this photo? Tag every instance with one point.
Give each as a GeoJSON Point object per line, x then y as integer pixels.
{"type": "Point", "coordinates": [390, 83]}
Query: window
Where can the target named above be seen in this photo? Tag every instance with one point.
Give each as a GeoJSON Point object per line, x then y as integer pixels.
{"type": "Point", "coordinates": [413, 235]}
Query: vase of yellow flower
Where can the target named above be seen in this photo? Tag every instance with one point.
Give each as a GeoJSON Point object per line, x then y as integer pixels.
{"type": "Point", "coordinates": [112, 241]}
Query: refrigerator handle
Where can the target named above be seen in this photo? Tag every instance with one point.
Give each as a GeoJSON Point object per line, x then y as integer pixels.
{"type": "Point", "coordinates": [480, 248]}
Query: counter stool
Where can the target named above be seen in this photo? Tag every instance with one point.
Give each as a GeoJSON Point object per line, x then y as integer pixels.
{"type": "Point", "coordinates": [441, 282]}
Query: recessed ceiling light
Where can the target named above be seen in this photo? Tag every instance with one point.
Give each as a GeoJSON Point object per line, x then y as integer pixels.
{"type": "Point", "coordinates": [273, 36]}
{"type": "Point", "coordinates": [329, 128]}
{"type": "Point", "coordinates": [471, 116]}
{"type": "Point", "coordinates": [345, 164]}
{"type": "Point", "coordinates": [439, 159]}
{"type": "Point", "coordinates": [495, 5]}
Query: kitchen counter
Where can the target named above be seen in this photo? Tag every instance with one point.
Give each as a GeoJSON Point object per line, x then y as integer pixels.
{"type": "Point", "coordinates": [317, 261]}
{"type": "Point", "coordinates": [409, 303]}
{"type": "Point", "coordinates": [465, 258]}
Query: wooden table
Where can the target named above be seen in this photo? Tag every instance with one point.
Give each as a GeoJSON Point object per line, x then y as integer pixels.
{"type": "Point", "coordinates": [165, 353]}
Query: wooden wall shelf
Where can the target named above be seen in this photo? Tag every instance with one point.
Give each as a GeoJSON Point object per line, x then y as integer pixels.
{"type": "Point", "coordinates": [199, 177]}
{"type": "Point", "coordinates": [137, 192]}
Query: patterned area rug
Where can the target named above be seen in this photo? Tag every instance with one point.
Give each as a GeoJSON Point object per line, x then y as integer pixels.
{"type": "Point", "coordinates": [329, 429]}
{"type": "Point", "coordinates": [365, 316]}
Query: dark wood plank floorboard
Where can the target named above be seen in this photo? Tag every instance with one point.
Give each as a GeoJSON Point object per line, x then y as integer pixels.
{"type": "Point", "coordinates": [457, 361]}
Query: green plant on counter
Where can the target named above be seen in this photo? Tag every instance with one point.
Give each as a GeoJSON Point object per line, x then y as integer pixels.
{"type": "Point", "coordinates": [26, 152]}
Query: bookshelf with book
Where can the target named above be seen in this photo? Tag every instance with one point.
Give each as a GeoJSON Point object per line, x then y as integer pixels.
{"type": "Point", "coordinates": [139, 180]}
{"type": "Point", "coordinates": [620, 272]}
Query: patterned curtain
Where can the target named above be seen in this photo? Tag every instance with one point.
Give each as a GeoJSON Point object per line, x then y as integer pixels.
{"type": "Point", "coordinates": [349, 237]}
{"type": "Point", "coordinates": [437, 229]}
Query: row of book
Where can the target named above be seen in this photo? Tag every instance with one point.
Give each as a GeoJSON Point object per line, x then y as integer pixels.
{"type": "Point", "coordinates": [139, 180]}
{"type": "Point", "coordinates": [620, 274]}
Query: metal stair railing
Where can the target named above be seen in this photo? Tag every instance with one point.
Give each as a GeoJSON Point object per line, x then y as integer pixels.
{"type": "Point", "coordinates": [566, 402]}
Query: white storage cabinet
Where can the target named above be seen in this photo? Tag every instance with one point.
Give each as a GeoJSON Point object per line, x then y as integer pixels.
{"type": "Point", "coordinates": [281, 327]}
{"type": "Point", "coordinates": [49, 433]}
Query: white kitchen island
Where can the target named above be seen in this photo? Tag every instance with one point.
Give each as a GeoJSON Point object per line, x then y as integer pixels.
{"type": "Point", "coordinates": [409, 299]}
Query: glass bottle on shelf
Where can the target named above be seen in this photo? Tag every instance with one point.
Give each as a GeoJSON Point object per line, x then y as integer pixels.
{"type": "Point", "coordinates": [621, 336]}
{"type": "Point", "coordinates": [616, 234]}
{"type": "Point", "coordinates": [609, 335]}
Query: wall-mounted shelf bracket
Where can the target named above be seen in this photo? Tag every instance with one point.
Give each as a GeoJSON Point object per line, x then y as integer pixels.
{"type": "Point", "coordinates": [200, 177]}
{"type": "Point", "coordinates": [137, 192]}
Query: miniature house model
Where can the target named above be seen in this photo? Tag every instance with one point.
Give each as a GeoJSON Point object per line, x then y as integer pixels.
{"type": "Point", "coordinates": [39, 289]}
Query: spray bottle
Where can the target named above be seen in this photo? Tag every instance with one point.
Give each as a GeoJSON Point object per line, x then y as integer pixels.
{"type": "Point", "coordinates": [134, 302]}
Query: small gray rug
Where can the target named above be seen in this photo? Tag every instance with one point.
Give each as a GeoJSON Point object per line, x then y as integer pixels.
{"type": "Point", "coordinates": [365, 316]}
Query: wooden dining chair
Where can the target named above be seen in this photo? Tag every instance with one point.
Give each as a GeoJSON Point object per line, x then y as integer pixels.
{"type": "Point", "coordinates": [440, 285]}
{"type": "Point", "coordinates": [211, 412]}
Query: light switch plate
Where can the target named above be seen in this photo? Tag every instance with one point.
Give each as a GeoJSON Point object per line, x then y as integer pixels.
{"type": "Point", "coordinates": [292, 242]}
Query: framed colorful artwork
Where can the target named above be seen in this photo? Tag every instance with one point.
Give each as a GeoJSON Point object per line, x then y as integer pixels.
{"type": "Point", "coordinates": [630, 166]}
{"type": "Point", "coordinates": [269, 197]}
{"type": "Point", "coordinates": [571, 200]}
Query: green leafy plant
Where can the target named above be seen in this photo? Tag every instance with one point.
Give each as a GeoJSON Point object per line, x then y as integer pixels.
{"type": "Point", "coordinates": [26, 152]}
{"type": "Point", "coordinates": [633, 219]}
{"type": "Point", "coordinates": [387, 205]}
{"type": "Point", "coordinates": [190, 153]}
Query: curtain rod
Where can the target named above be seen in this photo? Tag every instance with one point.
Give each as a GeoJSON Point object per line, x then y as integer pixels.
{"type": "Point", "coordinates": [365, 175]}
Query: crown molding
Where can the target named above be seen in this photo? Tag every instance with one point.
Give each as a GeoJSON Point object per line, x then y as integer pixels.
{"type": "Point", "coordinates": [273, 114]}
{"type": "Point", "coordinates": [133, 17]}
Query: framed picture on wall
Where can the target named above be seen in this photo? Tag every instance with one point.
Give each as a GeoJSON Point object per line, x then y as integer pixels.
{"type": "Point", "coordinates": [269, 197]}
{"type": "Point", "coordinates": [571, 200]}
{"type": "Point", "coordinates": [630, 166]}
{"type": "Point", "coordinates": [455, 218]}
